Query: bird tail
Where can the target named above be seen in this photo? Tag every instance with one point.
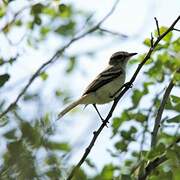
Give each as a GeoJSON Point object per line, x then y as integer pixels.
{"type": "Point", "coordinates": [70, 107]}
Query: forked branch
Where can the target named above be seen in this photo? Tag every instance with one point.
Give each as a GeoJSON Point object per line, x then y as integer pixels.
{"type": "Point", "coordinates": [96, 133]}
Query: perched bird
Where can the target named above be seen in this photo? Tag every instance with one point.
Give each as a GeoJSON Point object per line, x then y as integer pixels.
{"type": "Point", "coordinates": [106, 86]}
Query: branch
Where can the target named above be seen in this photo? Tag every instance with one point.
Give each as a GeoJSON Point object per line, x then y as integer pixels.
{"type": "Point", "coordinates": [96, 133]}
{"type": "Point", "coordinates": [157, 26]}
{"type": "Point", "coordinates": [176, 29]}
{"type": "Point", "coordinates": [55, 57]}
{"type": "Point", "coordinates": [113, 33]}
{"type": "Point", "coordinates": [155, 163]}
{"type": "Point", "coordinates": [14, 18]}
{"type": "Point", "coordinates": [159, 113]}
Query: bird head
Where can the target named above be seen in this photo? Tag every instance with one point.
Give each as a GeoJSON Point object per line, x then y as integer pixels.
{"type": "Point", "coordinates": [120, 58]}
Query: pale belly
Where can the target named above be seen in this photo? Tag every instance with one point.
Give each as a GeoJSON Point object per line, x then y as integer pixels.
{"type": "Point", "coordinates": [104, 94]}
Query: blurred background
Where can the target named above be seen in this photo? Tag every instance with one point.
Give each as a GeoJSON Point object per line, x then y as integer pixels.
{"type": "Point", "coordinates": [33, 143]}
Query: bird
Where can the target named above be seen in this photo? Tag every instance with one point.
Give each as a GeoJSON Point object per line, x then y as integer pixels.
{"type": "Point", "coordinates": [106, 86]}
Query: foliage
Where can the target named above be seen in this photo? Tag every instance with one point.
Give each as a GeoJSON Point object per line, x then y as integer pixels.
{"type": "Point", "coordinates": [31, 149]}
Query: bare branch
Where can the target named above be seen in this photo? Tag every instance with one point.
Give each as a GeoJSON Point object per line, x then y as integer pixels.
{"type": "Point", "coordinates": [176, 29]}
{"type": "Point", "coordinates": [14, 18]}
{"type": "Point", "coordinates": [128, 85]}
{"type": "Point", "coordinates": [159, 113]}
{"type": "Point", "coordinates": [152, 40]}
{"type": "Point", "coordinates": [157, 26]}
{"type": "Point", "coordinates": [55, 57]}
{"type": "Point", "coordinates": [113, 33]}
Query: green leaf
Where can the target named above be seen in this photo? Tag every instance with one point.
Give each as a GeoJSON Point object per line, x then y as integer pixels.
{"type": "Point", "coordinates": [116, 124]}
{"type": "Point", "coordinates": [108, 171]}
{"type": "Point", "coordinates": [43, 75]}
{"type": "Point", "coordinates": [161, 47]}
{"type": "Point", "coordinates": [156, 71]}
{"type": "Point", "coordinates": [31, 134]}
{"type": "Point", "coordinates": [10, 134]}
{"type": "Point", "coordinates": [49, 11]}
{"type": "Point", "coordinates": [176, 174]}
{"type": "Point", "coordinates": [157, 151]}
{"type": "Point", "coordinates": [125, 177]}
{"type": "Point", "coordinates": [133, 130]}
{"type": "Point", "coordinates": [53, 173]}
{"type": "Point", "coordinates": [163, 29]}
{"type": "Point", "coordinates": [51, 160]}
{"type": "Point", "coordinates": [65, 11]}
{"type": "Point", "coordinates": [1, 61]}
{"type": "Point", "coordinates": [2, 11]}
{"type": "Point", "coordinates": [3, 79]}
{"type": "Point", "coordinates": [58, 93]}
{"type": "Point", "coordinates": [127, 135]}
{"type": "Point", "coordinates": [121, 145]}
{"type": "Point", "coordinates": [71, 64]}
{"type": "Point", "coordinates": [136, 97]}
{"type": "Point", "coordinates": [80, 175]}
{"type": "Point", "coordinates": [57, 146]}
{"type": "Point", "coordinates": [176, 78]}
{"type": "Point", "coordinates": [28, 97]}
{"type": "Point", "coordinates": [37, 20]}
{"type": "Point", "coordinates": [37, 8]}
{"type": "Point", "coordinates": [147, 42]}
{"type": "Point", "coordinates": [66, 29]}
{"type": "Point", "coordinates": [171, 154]}
{"type": "Point", "coordinates": [176, 45]}
{"type": "Point", "coordinates": [44, 30]}
{"type": "Point", "coordinates": [18, 22]}
{"type": "Point", "coordinates": [175, 119]}
{"type": "Point", "coordinates": [3, 121]}
{"type": "Point", "coordinates": [172, 106]}
{"type": "Point", "coordinates": [139, 117]}
{"type": "Point", "coordinates": [90, 163]}
{"type": "Point", "coordinates": [175, 99]}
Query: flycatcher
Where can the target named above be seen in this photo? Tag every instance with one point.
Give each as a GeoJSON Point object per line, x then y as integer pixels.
{"type": "Point", "coordinates": [105, 86]}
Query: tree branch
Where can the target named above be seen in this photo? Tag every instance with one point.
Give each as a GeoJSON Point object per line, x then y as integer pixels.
{"type": "Point", "coordinates": [55, 57]}
{"type": "Point", "coordinates": [176, 29]}
{"type": "Point", "coordinates": [96, 133]}
{"type": "Point", "coordinates": [155, 163]}
{"type": "Point", "coordinates": [159, 113]}
{"type": "Point", "coordinates": [113, 33]}
{"type": "Point", "coordinates": [157, 26]}
{"type": "Point", "coordinates": [14, 18]}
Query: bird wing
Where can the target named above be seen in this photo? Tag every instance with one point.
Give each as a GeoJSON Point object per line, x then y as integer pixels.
{"type": "Point", "coordinates": [103, 78]}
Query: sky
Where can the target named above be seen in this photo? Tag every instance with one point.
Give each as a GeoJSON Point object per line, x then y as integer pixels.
{"type": "Point", "coordinates": [133, 18]}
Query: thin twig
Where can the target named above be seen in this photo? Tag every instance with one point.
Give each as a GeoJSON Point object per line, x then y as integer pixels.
{"type": "Point", "coordinates": [55, 57]}
{"type": "Point", "coordinates": [152, 40]}
{"type": "Point", "coordinates": [176, 29]}
{"type": "Point", "coordinates": [14, 18]}
{"type": "Point", "coordinates": [157, 26]}
{"type": "Point", "coordinates": [113, 33]}
{"type": "Point", "coordinates": [96, 133]}
{"type": "Point", "coordinates": [159, 113]}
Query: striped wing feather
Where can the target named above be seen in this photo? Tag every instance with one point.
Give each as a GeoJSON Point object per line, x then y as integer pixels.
{"type": "Point", "coordinates": [103, 78]}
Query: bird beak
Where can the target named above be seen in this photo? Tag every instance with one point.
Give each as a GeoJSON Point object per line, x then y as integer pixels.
{"type": "Point", "coordinates": [132, 54]}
